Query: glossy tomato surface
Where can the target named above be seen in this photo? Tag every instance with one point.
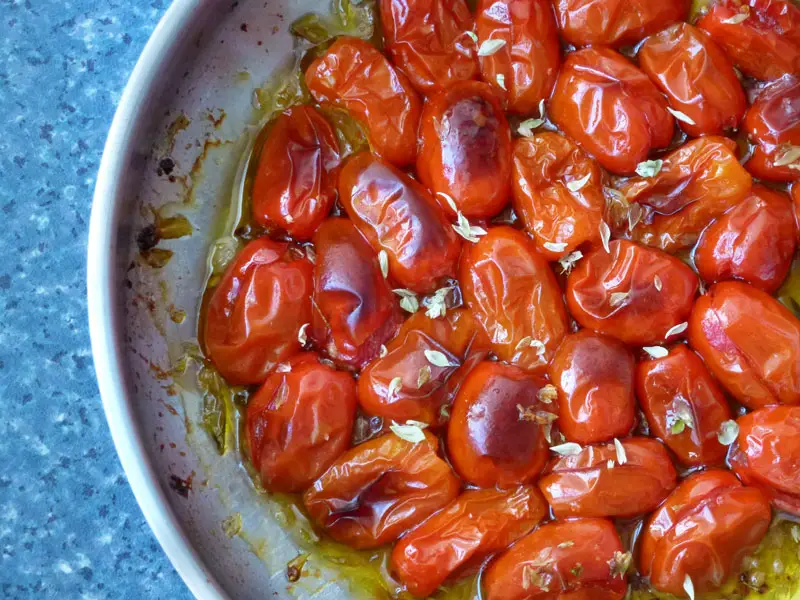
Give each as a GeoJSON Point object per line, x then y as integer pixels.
{"type": "Point", "coordinates": [610, 108]}
{"type": "Point", "coordinates": [515, 297]}
{"type": "Point", "coordinates": [750, 342]}
{"type": "Point", "coordinates": [255, 313]}
{"type": "Point", "coordinates": [299, 421]}
{"type": "Point", "coordinates": [478, 523]}
{"type": "Point", "coordinates": [354, 75]}
{"type": "Point", "coordinates": [375, 492]}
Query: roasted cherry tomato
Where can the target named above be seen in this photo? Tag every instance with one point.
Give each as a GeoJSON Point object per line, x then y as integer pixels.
{"type": "Point", "coordinates": [610, 108]}
{"type": "Point", "coordinates": [525, 68]}
{"type": "Point", "coordinates": [299, 421]}
{"type": "Point", "coordinates": [425, 388]}
{"type": "Point", "coordinates": [697, 77]}
{"type": "Point", "coordinates": [353, 74]}
{"type": "Point", "coordinates": [478, 523]}
{"type": "Point", "coordinates": [773, 126]}
{"type": "Point", "coordinates": [754, 241]}
{"type": "Point", "coordinates": [750, 343]}
{"type": "Point", "coordinates": [515, 297]}
{"type": "Point", "coordinates": [428, 41]}
{"type": "Point", "coordinates": [594, 377]}
{"type": "Point", "coordinates": [558, 193]}
{"type": "Point", "coordinates": [498, 428]}
{"type": "Point", "coordinates": [795, 190]}
{"type": "Point", "coordinates": [704, 530]}
{"type": "Point", "coordinates": [577, 559]}
{"type": "Point", "coordinates": [396, 214]}
{"type": "Point", "coordinates": [354, 311]}
{"type": "Point", "coordinates": [634, 293]}
{"type": "Point", "coordinates": [767, 452]}
{"type": "Point", "coordinates": [465, 148]}
{"type": "Point", "coordinates": [762, 37]}
{"type": "Point", "coordinates": [615, 22]}
{"type": "Point", "coordinates": [255, 313]}
{"type": "Point", "coordinates": [375, 492]}
{"type": "Point", "coordinates": [607, 481]}
{"type": "Point", "coordinates": [684, 406]}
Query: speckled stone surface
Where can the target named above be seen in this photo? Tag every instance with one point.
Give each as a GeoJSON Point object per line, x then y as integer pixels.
{"type": "Point", "coordinates": [69, 525]}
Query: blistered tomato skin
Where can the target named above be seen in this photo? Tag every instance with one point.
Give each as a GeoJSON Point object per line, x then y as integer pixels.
{"type": "Point", "coordinates": [610, 108]}
{"type": "Point", "coordinates": [750, 342]}
{"type": "Point", "coordinates": [697, 77]}
{"type": "Point", "coordinates": [255, 313]}
{"type": "Point", "coordinates": [594, 377]}
{"type": "Point", "coordinates": [465, 148]}
{"type": "Point", "coordinates": [354, 311]}
{"type": "Point", "coordinates": [773, 125]}
{"type": "Point", "coordinates": [528, 62]}
{"type": "Point", "coordinates": [586, 485]}
{"type": "Point", "coordinates": [765, 44]}
{"type": "Point", "coordinates": [496, 435]}
{"type": "Point", "coordinates": [704, 530]}
{"type": "Point", "coordinates": [559, 219]}
{"type": "Point", "coordinates": [300, 421]}
{"type": "Point", "coordinates": [354, 75]}
{"type": "Point", "coordinates": [564, 560]}
{"type": "Point", "coordinates": [515, 297]}
{"type": "Point", "coordinates": [678, 386]}
{"type": "Point", "coordinates": [754, 242]}
{"type": "Point", "coordinates": [617, 292]}
{"type": "Point", "coordinates": [478, 523]}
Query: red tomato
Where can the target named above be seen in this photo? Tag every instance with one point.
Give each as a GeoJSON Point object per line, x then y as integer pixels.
{"type": "Point", "coordinates": [578, 559]}
{"type": "Point", "coordinates": [634, 293]}
{"type": "Point", "coordinates": [750, 343]}
{"type": "Point", "coordinates": [478, 523]}
{"type": "Point", "coordinates": [697, 77]}
{"type": "Point", "coordinates": [255, 313]}
{"type": "Point", "coordinates": [354, 311]}
{"type": "Point", "coordinates": [515, 297]}
{"type": "Point", "coordinates": [704, 530]}
{"type": "Point", "coordinates": [611, 108]}
{"type": "Point", "coordinates": [594, 377]}
{"type": "Point", "coordinates": [596, 482]}
{"type": "Point", "coordinates": [795, 190]}
{"type": "Point", "coordinates": [754, 241]}
{"type": "Point", "coordinates": [766, 43]}
{"type": "Point", "coordinates": [558, 218]}
{"type": "Point", "coordinates": [354, 75]}
{"type": "Point", "coordinates": [684, 406]}
{"type": "Point", "coordinates": [773, 126]}
{"type": "Point", "coordinates": [497, 430]}
{"type": "Point", "coordinates": [428, 41]}
{"type": "Point", "coordinates": [528, 62]}
{"type": "Point", "coordinates": [465, 148]}
{"type": "Point", "coordinates": [425, 388]}
{"type": "Point", "coordinates": [375, 492]}
{"type": "Point", "coordinates": [299, 422]}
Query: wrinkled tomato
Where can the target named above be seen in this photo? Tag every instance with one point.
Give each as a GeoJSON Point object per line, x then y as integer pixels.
{"type": "Point", "coordinates": [465, 149]}
{"type": "Point", "coordinates": [684, 406]}
{"type": "Point", "coordinates": [354, 75]}
{"type": "Point", "coordinates": [515, 297]}
{"type": "Point", "coordinates": [299, 421]}
{"type": "Point", "coordinates": [558, 193]}
{"type": "Point", "coordinates": [478, 523]}
{"type": "Point", "coordinates": [750, 343]}
{"type": "Point", "coordinates": [354, 311]}
{"type": "Point", "coordinates": [255, 313]}
{"type": "Point", "coordinates": [375, 492]}
{"type": "Point", "coordinates": [610, 108]}
{"type": "Point", "coordinates": [704, 530]}
{"type": "Point", "coordinates": [524, 70]}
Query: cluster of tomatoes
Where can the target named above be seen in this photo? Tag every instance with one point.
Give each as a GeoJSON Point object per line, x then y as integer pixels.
{"type": "Point", "coordinates": [464, 379]}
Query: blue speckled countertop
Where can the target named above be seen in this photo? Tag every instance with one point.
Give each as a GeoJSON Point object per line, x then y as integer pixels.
{"type": "Point", "coordinates": [69, 525]}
